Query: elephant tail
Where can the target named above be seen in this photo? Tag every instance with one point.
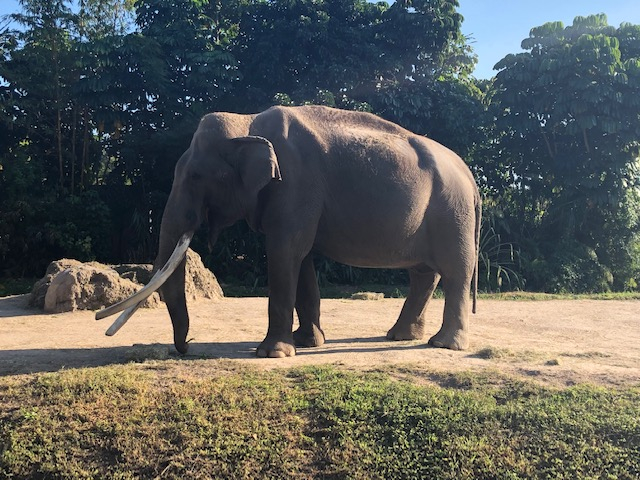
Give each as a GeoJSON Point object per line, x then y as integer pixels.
{"type": "Point", "coordinates": [475, 269]}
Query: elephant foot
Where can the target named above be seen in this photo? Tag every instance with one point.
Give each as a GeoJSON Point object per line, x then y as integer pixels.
{"type": "Point", "coordinates": [274, 348]}
{"type": "Point", "coordinates": [456, 340]}
{"type": "Point", "coordinates": [304, 338]}
{"type": "Point", "coordinates": [406, 331]}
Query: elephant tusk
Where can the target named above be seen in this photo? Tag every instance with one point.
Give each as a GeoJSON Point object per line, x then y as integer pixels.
{"type": "Point", "coordinates": [122, 319]}
{"type": "Point", "coordinates": [156, 282]}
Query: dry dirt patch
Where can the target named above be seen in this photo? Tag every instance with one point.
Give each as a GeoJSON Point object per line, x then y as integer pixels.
{"type": "Point", "coordinates": [558, 341]}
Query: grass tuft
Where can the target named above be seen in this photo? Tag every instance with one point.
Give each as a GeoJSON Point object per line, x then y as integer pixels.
{"type": "Point", "coordinates": [367, 296]}
{"type": "Point", "coordinates": [490, 353]}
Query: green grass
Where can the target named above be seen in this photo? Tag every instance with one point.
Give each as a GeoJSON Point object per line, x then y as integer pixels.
{"type": "Point", "coordinates": [561, 296]}
{"type": "Point", "coordinates": [207, 419]}
{"type": "Point", "coordinates": [401, 291]}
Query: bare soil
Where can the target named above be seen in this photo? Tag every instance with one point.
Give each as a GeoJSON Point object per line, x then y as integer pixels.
{"type": "Point", "coordinates": [559, 342]}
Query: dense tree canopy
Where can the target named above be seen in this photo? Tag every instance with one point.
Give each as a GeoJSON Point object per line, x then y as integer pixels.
{"type": "Point", "coordinates": [98, 98]}
{"type": "Point", "coordinates": [569, 112]}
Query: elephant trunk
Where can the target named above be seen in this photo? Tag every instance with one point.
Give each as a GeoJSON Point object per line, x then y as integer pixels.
{"type": "Point", "coordinates": [173, 294]}
{"type": "Point", "coordinates": [180, 216]}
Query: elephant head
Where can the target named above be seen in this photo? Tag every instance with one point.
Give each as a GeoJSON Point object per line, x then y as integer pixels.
{"type": "Point", "coordinates": [217, 181]}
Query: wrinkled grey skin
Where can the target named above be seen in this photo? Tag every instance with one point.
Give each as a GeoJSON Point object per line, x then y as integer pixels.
{"type": "Point", "coordinates": [348, 185]}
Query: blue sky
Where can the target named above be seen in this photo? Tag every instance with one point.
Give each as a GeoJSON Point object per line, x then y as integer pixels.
{"type": "Point", "coordinates": [499, 26]}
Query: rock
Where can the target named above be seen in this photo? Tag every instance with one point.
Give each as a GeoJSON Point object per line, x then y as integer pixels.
{"type": "Point", "coordinates": [89, 287]}
{"type": "Point", "coordinates": [139, 273]}
{"type": "Point", "coordinates": [39, 290]}
{"type": "Point", "coordinates": [200, 281]}
{"type": "Point", "coordinates": [70, 285]}
{"type": "Point", "coordinates": [367, 296]}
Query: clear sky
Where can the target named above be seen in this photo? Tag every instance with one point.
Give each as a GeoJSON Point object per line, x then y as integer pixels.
{"type": "Point", "coordinates": [499, 26]}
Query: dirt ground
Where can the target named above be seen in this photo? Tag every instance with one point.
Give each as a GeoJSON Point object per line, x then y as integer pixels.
{"type": "Point", "coordinates": [559, 342]}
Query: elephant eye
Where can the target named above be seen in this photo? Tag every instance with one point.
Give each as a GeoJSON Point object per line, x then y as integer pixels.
{"type": "Point", "coordinates": [223, 174]}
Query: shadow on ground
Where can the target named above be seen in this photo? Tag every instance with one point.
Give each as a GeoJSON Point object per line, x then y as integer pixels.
{"type": "Point", "coordinates": [17, 362]}
{"type": "Point", "coordinates": [17, 306]}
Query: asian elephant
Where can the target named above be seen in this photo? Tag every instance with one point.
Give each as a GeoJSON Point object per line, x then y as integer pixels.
{"type": "Point", "coordinates": [349, 185]}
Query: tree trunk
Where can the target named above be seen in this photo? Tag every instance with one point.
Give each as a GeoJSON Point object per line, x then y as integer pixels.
{"type": "Point", "coordinates": [73, 149]}
{"type": "Point", "coordinates": [58, 102]}
{"type": "Point", "coordinates": [85, 145]}
{"type": "Point", "coordinates": [59, 135]}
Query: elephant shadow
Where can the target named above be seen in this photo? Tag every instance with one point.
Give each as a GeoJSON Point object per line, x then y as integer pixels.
{"type": "Point", "coordinates": [362, 345]}
{"type": "Point", "coordinates": [17, 362]}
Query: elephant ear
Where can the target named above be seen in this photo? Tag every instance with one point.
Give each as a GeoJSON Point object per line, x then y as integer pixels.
{"type": "Point", "coordinates": [256, 162]}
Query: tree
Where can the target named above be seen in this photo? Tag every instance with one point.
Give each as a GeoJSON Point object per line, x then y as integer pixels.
{"type": "Point", "coordinates": [569, 110]}
{"type": "Point", "coordinates": [39, 74]}
{"type": "Point", "coordinates": [45, 206]}
{"type": "Point", "coordinates": [298, 48]}
{"type": "Point", "coordinates": [104, 18]}
{"type": "Point", "coordinates": [345, 52]}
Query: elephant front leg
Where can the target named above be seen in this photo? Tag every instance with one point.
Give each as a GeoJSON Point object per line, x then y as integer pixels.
{"type": "Point", "coordinates": [283, 279]}
{"type": "Point", "coordinates": [309, 334]}
{"type": "Point", "coordinates": [454, 331]}
{"type": "Point", "coordinates": [410, 324]}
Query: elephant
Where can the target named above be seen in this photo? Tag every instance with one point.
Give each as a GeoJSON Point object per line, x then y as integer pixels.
{"type": "Point", "coordinates": [349, 185]}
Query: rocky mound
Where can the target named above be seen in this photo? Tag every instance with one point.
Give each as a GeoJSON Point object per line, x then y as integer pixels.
{"type": "Point", "coordinates": [70, 285]}
{"type": "Point", "coordinates": [200, 281]}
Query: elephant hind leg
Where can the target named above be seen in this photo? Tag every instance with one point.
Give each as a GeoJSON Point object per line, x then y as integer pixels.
{"type": "Point", "coordinates": [454, 331]}
{"type": "Point", "coordinates": [309, 334]}
{"type": "Point", "coordinates": [410, 323]}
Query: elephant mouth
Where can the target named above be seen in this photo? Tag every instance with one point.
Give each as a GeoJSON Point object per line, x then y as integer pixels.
{"type": "Point", "coordinates": [131, 304]}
